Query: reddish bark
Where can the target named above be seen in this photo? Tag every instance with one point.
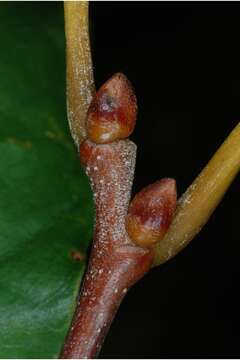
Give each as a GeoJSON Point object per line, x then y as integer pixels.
{"type": "Point", "coordinates": [116, 261]}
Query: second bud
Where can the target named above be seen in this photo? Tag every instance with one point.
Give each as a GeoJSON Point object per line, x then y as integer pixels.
{"type": "Point", "coordinates": [151, 211]}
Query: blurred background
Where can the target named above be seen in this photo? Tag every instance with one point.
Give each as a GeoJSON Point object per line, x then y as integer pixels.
{"type": "Point", "coordinates": [183, 60]}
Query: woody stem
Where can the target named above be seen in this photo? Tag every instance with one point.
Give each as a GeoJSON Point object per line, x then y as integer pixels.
{"type": "Point", "coordinates": [115, 262]}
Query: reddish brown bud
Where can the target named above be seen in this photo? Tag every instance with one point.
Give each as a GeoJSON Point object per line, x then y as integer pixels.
{"type": "Point", "coordinates": [151, 212]}
{"type": "Point", "coordinates": [112, 112]}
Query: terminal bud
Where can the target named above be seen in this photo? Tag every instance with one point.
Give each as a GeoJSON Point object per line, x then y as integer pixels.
{"type": "Point", "coordinates": [112, 112]}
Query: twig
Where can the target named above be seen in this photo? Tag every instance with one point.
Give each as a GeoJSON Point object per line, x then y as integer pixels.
{"type": "Point", "coordinates": [116, 261]}
{"type": "Point", "coordinates": [201, 198]}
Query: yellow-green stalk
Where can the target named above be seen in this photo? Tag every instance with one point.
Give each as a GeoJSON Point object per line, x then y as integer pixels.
{"type": "Point", "coordinates": [201, 198]}
{"type": "Point", "coordinates": [80, 81]}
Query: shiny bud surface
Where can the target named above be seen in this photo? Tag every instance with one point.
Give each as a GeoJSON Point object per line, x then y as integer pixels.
{"type": "Point", "coordinates": [151, 212]}
{"type": "Point", "coordinates": [112, 112]}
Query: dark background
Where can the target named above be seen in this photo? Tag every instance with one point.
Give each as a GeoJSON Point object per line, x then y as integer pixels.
{"type": "Point", "coordinates": [183, 60]}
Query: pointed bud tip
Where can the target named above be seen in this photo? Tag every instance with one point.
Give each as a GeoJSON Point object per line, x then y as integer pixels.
{"type": "Point", "coordinates": [112, 113]}
{"type": "Point", "coordinates": [151, 212]}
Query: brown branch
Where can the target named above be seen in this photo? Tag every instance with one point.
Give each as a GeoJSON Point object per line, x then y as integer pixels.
{"type": "Point", "coordinates": [116, 262]}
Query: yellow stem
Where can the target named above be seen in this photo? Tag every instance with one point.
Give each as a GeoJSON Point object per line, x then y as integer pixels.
{"type": "Point", "coordinates": [80, 81]}
{"type": "Point", "coordinates": [201, 198]}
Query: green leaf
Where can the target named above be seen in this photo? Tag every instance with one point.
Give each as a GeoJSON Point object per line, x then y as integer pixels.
{"type": "Point", "coordinates": [45, 199]}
